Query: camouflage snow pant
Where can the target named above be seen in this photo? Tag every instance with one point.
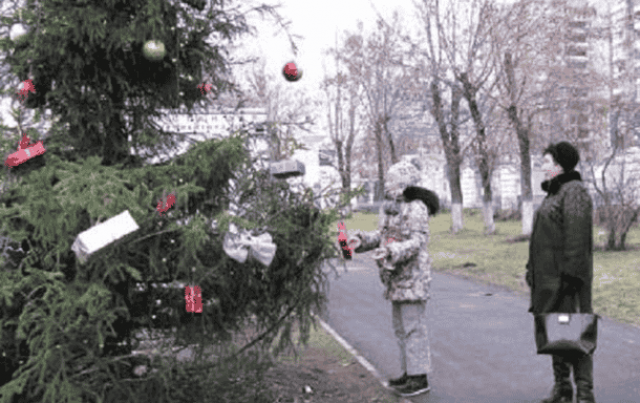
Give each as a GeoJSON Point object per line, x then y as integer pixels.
{"type": "Point", "coordinates": [410, 325]}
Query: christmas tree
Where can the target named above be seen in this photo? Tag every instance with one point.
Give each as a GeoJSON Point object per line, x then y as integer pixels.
{"type": "Point", "coordinates": [69, 327]}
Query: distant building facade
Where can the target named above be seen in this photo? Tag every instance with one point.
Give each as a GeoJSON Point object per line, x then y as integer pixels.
{"type": "Point", "coordinates": [212, 123]}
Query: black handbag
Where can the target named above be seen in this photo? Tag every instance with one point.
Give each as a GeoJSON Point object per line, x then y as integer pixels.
{"type": "Point", "coordinates": [566, 333]}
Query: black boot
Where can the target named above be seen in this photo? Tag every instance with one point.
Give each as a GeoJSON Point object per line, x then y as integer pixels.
{"type": "Point", "coordinates": [583, 375]}
{"type": "Point", "coordinates": [562, 390]}
{"type": "Point", "coordinates": [399, 381]}
{"type": "Point", "coordinates": [415, 385]}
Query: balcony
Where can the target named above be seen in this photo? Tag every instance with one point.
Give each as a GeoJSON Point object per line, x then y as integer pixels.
{"type": "Point", "coordinates": [576, 51]}
{"type": "Point", "coordinates": [581, 65]}
{"type": "Point", "coordinates": [578, 24]}
{"type": "Point", "coordinates": [577, 37]}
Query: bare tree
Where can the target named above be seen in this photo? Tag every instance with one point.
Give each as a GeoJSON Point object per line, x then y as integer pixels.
{"type": "Point", "coordinates": [617, 189]}
{"type": "Point", "coordinates": [377, 64]}
{"type": "Point", "coordinates": [521, 40]}
{"type": "Point", "coordinates": [619, 195]}
{"type": "Point", "coordinates": [430, 63]}
{"type": "Point", "coordinates": [473, 73]}
{"type": "Point", "coordinates": [342, 132]}
{"type": "Point", "coordinates": [538, 88]}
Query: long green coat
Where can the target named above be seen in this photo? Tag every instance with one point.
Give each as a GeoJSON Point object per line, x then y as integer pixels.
{"type": "Point", "coordinates": [561, 244]}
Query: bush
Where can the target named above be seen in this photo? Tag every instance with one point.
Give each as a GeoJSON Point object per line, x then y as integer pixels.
{"type": "Point", "coordinates": [600, 215]}
{"type": "Point", "coordinates": [507, 215]}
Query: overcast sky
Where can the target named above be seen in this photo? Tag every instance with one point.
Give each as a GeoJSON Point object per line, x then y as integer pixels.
{"type": "Point", "coordinates": [317, 22]}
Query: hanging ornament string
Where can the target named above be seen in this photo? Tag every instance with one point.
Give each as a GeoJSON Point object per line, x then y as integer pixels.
{"type": "Point", "coordinates": [27, 85]}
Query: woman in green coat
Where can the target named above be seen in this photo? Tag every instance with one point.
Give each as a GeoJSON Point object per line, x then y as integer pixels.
{"type": "Point", "coordinates": [560, 267]}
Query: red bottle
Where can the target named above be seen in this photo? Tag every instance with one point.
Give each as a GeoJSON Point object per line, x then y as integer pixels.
{"type": "Point", "coordinates": [342, 238]}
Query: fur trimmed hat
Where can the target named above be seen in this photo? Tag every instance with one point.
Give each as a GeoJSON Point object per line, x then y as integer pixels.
{"type": "Point", "coordinates": [564, 154]}
{"type": "Point", "coordinates": [401, 175]}
{"type": "Point", "coordinates": [429, 198]}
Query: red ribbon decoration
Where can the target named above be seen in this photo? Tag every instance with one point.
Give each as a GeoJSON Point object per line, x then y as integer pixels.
{"type": "Point", "coordinates": [27, 87]}
{"type": "Point", "coordinates": [193, 297]}
{"type": "Point", "coordinates": [25, 152]}
{"type": "Point", "coordinates": [169, 202]}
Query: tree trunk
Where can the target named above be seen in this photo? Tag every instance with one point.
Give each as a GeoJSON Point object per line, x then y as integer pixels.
{"type": "Point", "coordinates": [392, 147]}
{"type": "Point", "coordinates": [487, 200]}
{"type": "Point", "coordinates": [613, 241]}
{"type": "Point", "coordinates": [116, 141]}
{"type": "Point", "coordinates": [619, 221]}
{"type": "Point", "coordinates": [525, 156]}
{"type": "Point", "coordinates": [378, 134]}
{"type": "Point", "coordinates": [346, 182]}
{"type": "Point", "coordinates": [452, 149]}
{"type": "Point", "coordinates": [341, 170]}
{"type": "Point", "coordinates": [350, 139]}
{"type": "Point", "coordinates": [115, 147]}
{"type": "Point", "coordinates": [525, 169]}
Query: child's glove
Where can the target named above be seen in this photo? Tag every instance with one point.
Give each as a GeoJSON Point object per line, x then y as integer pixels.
{"type": "Point", "coordinates": [354, 243]}
{"type": "Point", "coordinates": [380, 253]}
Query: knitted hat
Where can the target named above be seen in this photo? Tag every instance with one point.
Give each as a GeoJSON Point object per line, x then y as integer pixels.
{"type": "Point", "coordinates": [566, 155]}
{"type": "Point", "coordinates": [401, 175]}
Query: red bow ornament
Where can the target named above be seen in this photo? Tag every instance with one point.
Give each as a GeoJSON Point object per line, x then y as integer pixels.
{"type": "Point", "coordinates": [169, 202]}
{"type": "Point", "coordinates": [25, 152]}
{"type": "Point", "coordinates": [27, 87]}
{"type": "Point", "coordinates": [204, 88]}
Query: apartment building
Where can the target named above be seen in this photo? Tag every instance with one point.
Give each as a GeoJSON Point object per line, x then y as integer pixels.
{"type": "Point", "coordinates": [625, 55]}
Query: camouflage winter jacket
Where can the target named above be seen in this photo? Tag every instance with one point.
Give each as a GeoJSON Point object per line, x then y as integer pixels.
{"type": "Point", "coordinates": [404, 230]}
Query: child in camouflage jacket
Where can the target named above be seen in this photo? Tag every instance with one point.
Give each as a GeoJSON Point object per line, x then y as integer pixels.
{"type": "Point", "coordinates": [400, 244]}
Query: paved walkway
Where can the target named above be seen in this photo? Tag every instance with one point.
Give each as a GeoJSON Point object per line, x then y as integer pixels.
{"type": "Point", "coordinates": [482, 345]}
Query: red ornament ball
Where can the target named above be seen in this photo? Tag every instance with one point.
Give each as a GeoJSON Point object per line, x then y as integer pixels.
{"type": "Point", "coordinates": [291, 72]}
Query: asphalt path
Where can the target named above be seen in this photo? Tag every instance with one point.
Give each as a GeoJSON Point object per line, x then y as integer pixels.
{"type": "Point", "coordinates": [481, 339]}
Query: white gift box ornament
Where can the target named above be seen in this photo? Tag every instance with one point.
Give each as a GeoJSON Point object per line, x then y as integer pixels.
{"type": "Point", "coordinates": [239, 245]}
{"type": "Point", "coordinates": [287, 168]}
{"type": "Point", "coordinates": [101, 235]}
